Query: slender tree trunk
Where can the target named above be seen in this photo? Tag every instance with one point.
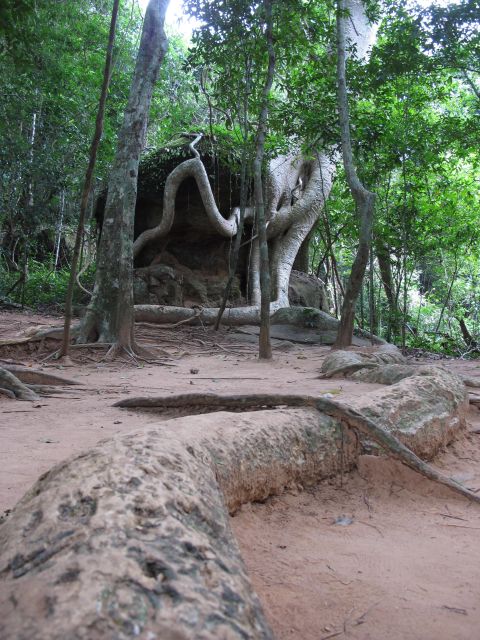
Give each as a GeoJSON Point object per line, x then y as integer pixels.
{"type": "Point", "coordinates": [109, 316]}
{"type": "Point", "coordinates": [87, 185]}
{"type": "Point", "coordinates": [364, 199]}
{"type": "Point", "coordinates": [384, 265]}
{"type": "Point", "coordinates": [467, 336]}
{"type": "Point", "coordinates": [265, 348]}
{"type": "Point", "coordinates": [243, 201]}
{"type": "Point", "coordinates": [371, 298]}
{"type": "Point", "coordinates": [238, 240]}
{"type": "Point", "coordinates": [60, 227]}
{"type": "Point", "coordinates": [449, 293]}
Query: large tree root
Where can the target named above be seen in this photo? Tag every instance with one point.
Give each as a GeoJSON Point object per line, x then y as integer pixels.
{"type": "Point", "coordinates": [12, 385]}
{"type": "Point", "coordinates": [392, 445]}
{"type": "Point", "coordinates": [132, 538]}
{"type": "Point", "coordinates": [25, 384]}
{"type": "Point", "coordinates": [351, 417]}
{"type": "Point", "coordinates": [34, 376]}
{"type": "Point", "coordinates": [240, 402]}
{"type": "Point", "coordinates": [37, 335]}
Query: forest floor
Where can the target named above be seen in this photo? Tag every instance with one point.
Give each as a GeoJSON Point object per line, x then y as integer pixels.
{"type": "Point", "coordinates": [404, 559]}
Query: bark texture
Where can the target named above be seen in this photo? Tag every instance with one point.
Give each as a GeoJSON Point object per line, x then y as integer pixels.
{"type": "Point", "coordinates": [132, 539]}
{"type": "Point", "coordinates": [87, 185]}
{"type": "Point", "coordinates": [364, 199]}
{"type": "Point", "coordinates": [109, 316]}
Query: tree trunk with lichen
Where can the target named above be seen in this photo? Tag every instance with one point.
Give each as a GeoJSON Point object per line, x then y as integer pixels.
{"type": "Point", "coordinates": [364, 199]}
{"type": "Point", "coordinates": [264, 344]}
{"type": "Point", "coordinates": [109, 317]}
{"type": "Point", "coordinates": [87, 186]}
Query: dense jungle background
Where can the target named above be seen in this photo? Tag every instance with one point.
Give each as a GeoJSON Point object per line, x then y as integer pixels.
{"type": "Point", "coordinates": [414, 115]}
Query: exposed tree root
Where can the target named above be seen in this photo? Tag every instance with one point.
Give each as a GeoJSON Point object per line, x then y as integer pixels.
{"type": "Point", "coordinates": [11, 384]}
{"type": "Point", "coordinates": [25, 384]}
{"type": "Point", "coordinates": [32, 376]}
{"type": "Point", "coordinates": [471, 382]}
{"type": "Point", "coordinates": [134, 352]}
{"type": "Point", "coordinates": [218, 402]}
{"type": "Point", "coordinates": [352, 418]}
{"type": "Point", "coordinates": [347, 370]}
{"type": "Point", "coordinates": [7, 393]}
{"type": "Point", "coordinates": [54, 333]}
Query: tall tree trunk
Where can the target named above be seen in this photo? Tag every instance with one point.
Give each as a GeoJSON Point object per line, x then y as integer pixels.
{"type": "Point", "coordinates": [60, 227]}
{"type": "Point", "coordinates": [383, 257]}
{"type": "Point", "coordinates": [87, 185]}
{"type": "Point", "coordinates": [243, 199]}
{"type": "Point", "coordinates": [109, 316]}
{"type": "Point", "coordinates": [364, 199]}
{"type": "Point", "coordinates": [265, 347]}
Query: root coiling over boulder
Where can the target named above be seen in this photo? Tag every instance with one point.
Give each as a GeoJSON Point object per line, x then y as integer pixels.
{"type": "Point", "coordinates": [424, 406]}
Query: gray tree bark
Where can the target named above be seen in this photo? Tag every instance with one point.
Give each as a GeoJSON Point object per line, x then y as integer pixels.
{"type": "Point", "coordinates": [364, 199]}
{"type": "Point", "coordinates": [87, 185]}
{"type": "Point", "coordinates": [109, 316]}
{"type": "Point", "coordinates": [264, 344]}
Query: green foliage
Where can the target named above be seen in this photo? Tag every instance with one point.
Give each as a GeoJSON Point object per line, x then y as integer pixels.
{"type": "Point", "coordinates": [415, 126]}
{"type": "Point", "coordinates": [52, 66]}
{"type": "Point", "coordinates": [45, 287]}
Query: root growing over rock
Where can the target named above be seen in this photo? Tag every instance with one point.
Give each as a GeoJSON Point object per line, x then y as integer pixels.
{"type": "Point", "coordinates": [132, 538]}
{"type": "Point", "coordinates": [347, 415]}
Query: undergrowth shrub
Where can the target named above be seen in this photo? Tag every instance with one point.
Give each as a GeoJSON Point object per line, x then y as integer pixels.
{"type": "Point", "coordinates": [45, 286]}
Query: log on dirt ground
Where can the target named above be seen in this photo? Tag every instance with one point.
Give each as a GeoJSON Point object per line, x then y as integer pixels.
{"type": "Point", "coordinates": [132, 539]}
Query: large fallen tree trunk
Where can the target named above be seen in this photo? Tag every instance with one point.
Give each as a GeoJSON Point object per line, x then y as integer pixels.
{"type": "Point", "coordinates": [132, 539]}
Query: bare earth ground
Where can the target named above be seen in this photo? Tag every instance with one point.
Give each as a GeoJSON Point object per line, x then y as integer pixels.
{"type": "Point", "coordinates": [404, 561]}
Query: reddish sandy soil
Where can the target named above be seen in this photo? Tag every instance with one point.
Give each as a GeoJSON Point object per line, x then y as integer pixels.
{"type": "Point", "coordinates": [407, 565]}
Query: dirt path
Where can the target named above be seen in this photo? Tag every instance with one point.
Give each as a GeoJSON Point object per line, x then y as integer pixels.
{"type": "Point", "coordinates": [36, 436]}
{"type": "Point", "coordinates": [408, 565]}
